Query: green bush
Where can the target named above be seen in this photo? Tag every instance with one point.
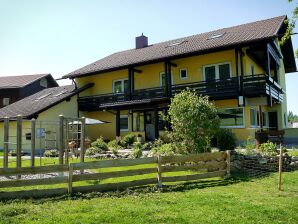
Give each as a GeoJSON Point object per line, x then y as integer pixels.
{"type": "Point", "coordinates": [137, 151]}
{"type": "Point", "coordinates": [194, 121]}
{"type": "Point", "coordinates": [250, 144]}
{"type": "Point", "coordinates": [164, 150]}
{"type": "Point", "coordinates": [225, 139]}
{"type": "Point", "coordinates": [128, 139]}
{"type": "Point", "coordinates": [114, 145]}
{"type": "Point", "coordinates": [51, 153]}
{"type": "Point", "coordinates": [93, 151]}
{"type": "Point", "coordinates": [268, 149]}
{"type": "Point", "coordinates": [100, 144]}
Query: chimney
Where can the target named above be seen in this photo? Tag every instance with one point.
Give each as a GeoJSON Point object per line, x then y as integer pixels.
{"type": "Point", "coordinates": [141, 41]}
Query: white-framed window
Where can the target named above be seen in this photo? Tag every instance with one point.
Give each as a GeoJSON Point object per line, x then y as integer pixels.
{"type": "Point", "coordinates": [183, 73]}
{"type": "Point", "coordinates": [162, 76]}
{"type": "Point", "coordinates": [220, 71]}
{"type": "Point", "coordinates": [120, 86]}
{"type": "Point", "coordinates": [5, 101]}
{"type": "Point", "coordinates": [254, 118]}
{"type": "Point", "coordinates": [123, 122]}
{"type": "Point", "coordinates": [232, 117]}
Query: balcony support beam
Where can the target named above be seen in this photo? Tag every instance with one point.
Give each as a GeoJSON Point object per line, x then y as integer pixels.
{"type": "Point", "coordinates": [118, 123]}
{"type": "Point", "coordinates": [168, 78]}
{"type": "Point", "coordinates": [241, 87]}
{"type": "Point", "coordinates": [156, 123]}
{"type": "Point", "coordinates": [267, 61]}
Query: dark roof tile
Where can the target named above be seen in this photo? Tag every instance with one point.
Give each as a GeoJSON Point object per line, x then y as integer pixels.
{"type": "Point", "coordinates": [232, 36]}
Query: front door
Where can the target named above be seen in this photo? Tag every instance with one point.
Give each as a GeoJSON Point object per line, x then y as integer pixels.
{"type": "Point", "coordinates": [149, 126]}
{"type": "Point", "coordinates": [273, 122]}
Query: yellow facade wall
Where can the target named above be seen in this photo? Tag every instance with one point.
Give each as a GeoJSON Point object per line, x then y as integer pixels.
{"type": "Point", "coordinates": [150, 78]}
{"type": "Point", "coordinates": [49, 120]}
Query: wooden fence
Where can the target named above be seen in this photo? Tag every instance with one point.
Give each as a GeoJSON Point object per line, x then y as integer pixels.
{"type": "Point", "coordinates": [205, 165]}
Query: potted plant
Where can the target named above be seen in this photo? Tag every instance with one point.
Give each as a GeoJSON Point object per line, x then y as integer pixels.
{"type": "Point", "coordinates": [139, 138]}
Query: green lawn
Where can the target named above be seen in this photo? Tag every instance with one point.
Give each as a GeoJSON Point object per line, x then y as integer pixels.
{"type": "Point", "coordinates": [254, 201]}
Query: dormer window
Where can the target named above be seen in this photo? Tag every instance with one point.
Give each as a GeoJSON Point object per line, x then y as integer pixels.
{"type": "Point", "coordinates": [43, 82]}
{"type": "Point", "coordinates": [5, 101]}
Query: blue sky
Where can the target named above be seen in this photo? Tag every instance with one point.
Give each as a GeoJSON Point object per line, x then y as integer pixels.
{"type": "Point", "coordinates": [59, 36]}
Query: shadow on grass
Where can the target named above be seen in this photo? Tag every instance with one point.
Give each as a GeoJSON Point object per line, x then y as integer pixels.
{"type": "Point", "coordinates": [177, 187]}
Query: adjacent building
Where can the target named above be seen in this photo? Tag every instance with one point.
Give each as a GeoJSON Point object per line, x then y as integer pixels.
{"type": "Point", "coordinates": [14, 88]}
{"type": "Point", "coordinates": [242, 70]}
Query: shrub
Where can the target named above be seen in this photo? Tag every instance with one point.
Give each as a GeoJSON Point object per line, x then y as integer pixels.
{"type": "Point", "coordinates": [100, 144]}
{"type": "Point", "coordinates": [114, 145]}
{"type": "Point", "coordinates": [194, 121]}
{"type": "Point", "coordinates": [164, 150]}
{"type": "Point", "coordinates": [93, 151]}
{"type": "Point", "coordinates": [51, 153]}
{"type": "Point", "coordinates": [225, 139]}
{"type": "Point", "coordinates": [128, 139]}
{"type": "Point", "coordinates": [268, 149]}
{"type": "Point", "coordinates": [137, 151]}
{"type": "Point", "coordinates": [250, 144]}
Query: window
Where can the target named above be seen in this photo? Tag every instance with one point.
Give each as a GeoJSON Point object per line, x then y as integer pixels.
{"type": "Point", "coordinates": [231, 117]}
{"type": "Point", "coordinates": [124, 123]}
{"type": "Point", "coordinates": [215, 36]}
{"type": "Point", "coordinates": [265, 119]}
{"type": "Point", "coordinates": [163, 79]}
{"type": "Point", "coordinates": [120, 86]}
{"type": "Point", "coordinates": [254, 118]}
{"type": "Point", "coordinates": [138, 121]}
{"type": "Point", "coordinates": [5, 101]}
{"type": "Point", "coordinates": [43, 82]}
{"type": "Point", "coordinates": [183, 73]}
{"type": "Point", "coordinates": [220, 71]}
{"type": "Point", "coordinates": [40, 132]}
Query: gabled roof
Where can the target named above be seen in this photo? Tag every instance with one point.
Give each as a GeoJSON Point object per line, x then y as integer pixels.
{"type": "Point", "coordinates": [33, 105]}
{"type": "Point", "coordinates": [21, 80]}
{"type": "Point", "coordinates": [186, 46]}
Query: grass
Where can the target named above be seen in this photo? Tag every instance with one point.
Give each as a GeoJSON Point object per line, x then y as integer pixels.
{"type": "Point", "coordinates": [256, 201]}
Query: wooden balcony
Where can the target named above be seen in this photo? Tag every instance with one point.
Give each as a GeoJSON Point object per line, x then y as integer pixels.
{"type": "Point", "coordinates": [249, 86]}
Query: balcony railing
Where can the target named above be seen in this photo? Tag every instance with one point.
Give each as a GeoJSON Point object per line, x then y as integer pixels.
{"type": "Point", "coordinates": [252, 86]}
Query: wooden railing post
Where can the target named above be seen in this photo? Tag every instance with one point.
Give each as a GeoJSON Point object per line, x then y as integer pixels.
{"type": "Point", "coordinates": [70, 174]}
{"type": "Point", "coordinates": [6, 144]}
{"type": "Point", "coordinates": [228, 163]}
{"type": "Point", "coordinates": [19, 141]}
{"type": "Point", "coordinates": [280, 167]}
{"type": "Point", "coordinates": [159, 171]}
{"type": "Point", "coordinates": [61, 139]}
{"type": "Point", "coordinates": [33, 132]}
{"type": "Point", "coordinates": [82, 151]}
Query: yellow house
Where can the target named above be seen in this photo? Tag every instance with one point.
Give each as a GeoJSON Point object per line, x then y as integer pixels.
{"type": "Point", "coordinates": [45, 107]}
{"type": "Point", "coordinates": [241, 68]}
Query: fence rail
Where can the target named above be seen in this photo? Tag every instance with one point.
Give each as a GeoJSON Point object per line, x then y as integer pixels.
{"type": "Point", "coordinates": [205, 165]}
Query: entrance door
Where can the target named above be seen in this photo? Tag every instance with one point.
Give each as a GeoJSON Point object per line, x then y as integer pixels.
{"type": "Point", "coordinates": [273, 122]}
{"type": "Point", "coordinates": [149, 126]}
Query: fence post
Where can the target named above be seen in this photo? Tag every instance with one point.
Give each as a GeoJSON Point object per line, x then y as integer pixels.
{"type": "Point", "coordinates": [61, 139]}
{"type": "Point", "coordinates": [228, 160]}
{"type": "Point", "coordinates": [33, 132]}
{"type": "Point", "coordinates": [70, 174]}
{"type": "Point", "coordinates": [280, 167]}
{"type": "Point", "coordinates": [19, 141]}
{"type": "Point", "coordinates": [159, 171]}
{"type": "Point", "coordinates": [6, 144]}
{"type": "Point", "coordinates": [82, 145]}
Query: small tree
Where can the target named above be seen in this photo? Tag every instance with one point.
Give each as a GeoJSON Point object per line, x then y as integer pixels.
{"type": "Point", "coordinates": [194, 121]}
